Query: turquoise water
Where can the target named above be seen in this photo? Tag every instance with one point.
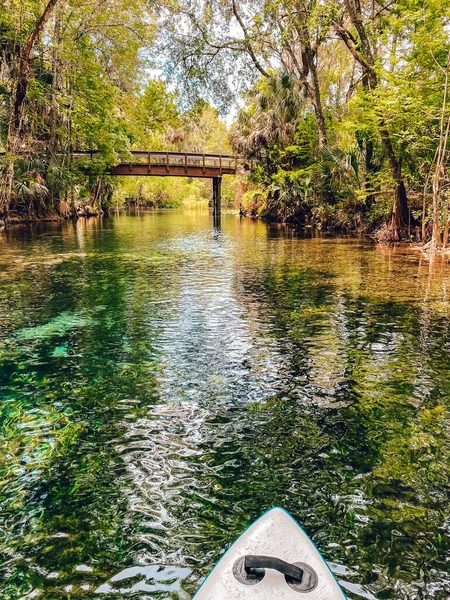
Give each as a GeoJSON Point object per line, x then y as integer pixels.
{"type": "Point", "coordinates": [165, 381]}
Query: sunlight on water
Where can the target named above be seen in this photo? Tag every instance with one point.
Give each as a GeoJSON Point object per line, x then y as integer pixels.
{"type": "Point", "coordinates": [165, 381]}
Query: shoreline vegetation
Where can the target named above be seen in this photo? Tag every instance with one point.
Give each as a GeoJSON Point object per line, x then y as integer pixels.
{"type": "Point", "coordinates": [342, 123]}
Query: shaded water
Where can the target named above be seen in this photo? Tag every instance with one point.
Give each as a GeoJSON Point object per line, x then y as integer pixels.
{"type": "Point", "coordinates": [164, 382]}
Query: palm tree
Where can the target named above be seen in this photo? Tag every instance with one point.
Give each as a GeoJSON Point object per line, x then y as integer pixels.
{"type": "Point", "coordinates": [275, 110]}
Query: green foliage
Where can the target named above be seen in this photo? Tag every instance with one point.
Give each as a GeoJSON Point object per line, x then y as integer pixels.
{"type": "Point", "coordinates": [150, 114]}
{"type": "Point", "coordinates": [88, 88]}
{"type": "Point", "coordinates": [205, 131]}
{"type": "Point", "coordinates": [160, 192]}
{"type": "Point", "coordinates": [363, 85]}
{"type": "Point", "coordinates": [338, 171]}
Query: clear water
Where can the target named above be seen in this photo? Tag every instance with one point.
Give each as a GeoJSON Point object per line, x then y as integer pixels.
{"type": "Point", "coordinates": [163, 382]}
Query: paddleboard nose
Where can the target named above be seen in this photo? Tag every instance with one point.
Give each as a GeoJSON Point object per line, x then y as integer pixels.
{"type": "Point", "coordinates": [274, 559]}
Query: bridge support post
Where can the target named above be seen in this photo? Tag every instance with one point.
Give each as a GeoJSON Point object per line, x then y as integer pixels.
{"type": "Point", "coordinates": [217, 194]}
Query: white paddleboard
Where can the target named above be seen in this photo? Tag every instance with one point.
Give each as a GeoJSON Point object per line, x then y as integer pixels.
{"type": "Point", "coordinates": [278, 542]}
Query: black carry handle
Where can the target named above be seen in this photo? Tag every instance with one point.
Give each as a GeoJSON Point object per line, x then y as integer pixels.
{"type": "Point", "coordinates": [253, 561]}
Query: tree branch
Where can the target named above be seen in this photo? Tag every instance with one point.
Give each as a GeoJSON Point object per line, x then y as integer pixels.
{"type": "Point", "coordinates": [349, 41]}
{"type": "Point", "coordinates": [247, 43]}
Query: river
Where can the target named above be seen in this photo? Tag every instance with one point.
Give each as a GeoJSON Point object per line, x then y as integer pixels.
{"type": "Point", "coordinates": [165, 381]}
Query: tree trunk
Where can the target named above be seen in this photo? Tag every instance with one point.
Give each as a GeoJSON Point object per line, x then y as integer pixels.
{"type": "Point", "coordinates": [400, 210]}
{"type": "Point", "coordinates": [369, 164]}
{"type": "Point", "coordinates": [309, 68]}
{"type": "Point", "coordinates": [439, 171]}
{"type": "Point", "coordinates": [446, 234]}
{"type": "Point", "coordinates": [317, 103]}
{"type": "Point", "coordinates": [363, 53]}
{"type": "Point", "coordinates": [436, 236]}
{"type": "Point", "coordinates": [6, 185]}
{"type": "Point", "coordinates": [398, 221]}
{"type": "Point", "coordinates": [56, 83]}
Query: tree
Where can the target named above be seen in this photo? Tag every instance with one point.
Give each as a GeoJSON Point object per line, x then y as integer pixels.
{"type": "Point", "coordinates": [362, 51]}
{"type": "Point", "coordinates": [20, 88]}
{"type": "Point", "coordinates": [242, 41]}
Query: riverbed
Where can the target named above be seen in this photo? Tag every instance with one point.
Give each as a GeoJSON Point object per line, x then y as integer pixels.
{"type": "Point", "coordinates": [166, 379]}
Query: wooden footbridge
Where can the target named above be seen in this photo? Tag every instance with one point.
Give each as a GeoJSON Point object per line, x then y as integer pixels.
{"type": "Point", "coordinates": [146, 163]}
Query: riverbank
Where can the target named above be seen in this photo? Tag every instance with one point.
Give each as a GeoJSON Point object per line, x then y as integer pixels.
{"type": "Point", "coordinates": [345, 215]}
{"type": "Point", "coordinates": [341, 224]}
{"type": "Point", "coordinates": [63, 212]}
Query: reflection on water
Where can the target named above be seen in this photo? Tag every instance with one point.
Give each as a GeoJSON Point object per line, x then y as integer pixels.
{"type": "Point", "coordinates": [165, 379]}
